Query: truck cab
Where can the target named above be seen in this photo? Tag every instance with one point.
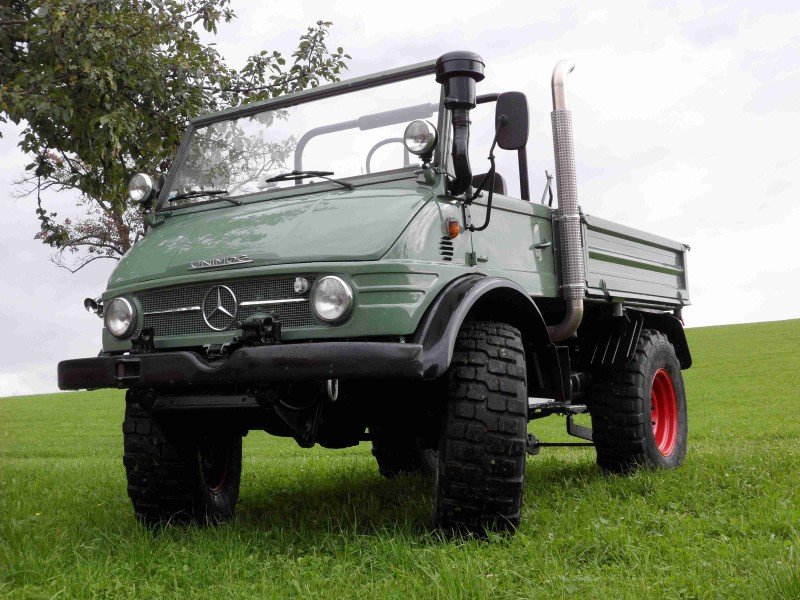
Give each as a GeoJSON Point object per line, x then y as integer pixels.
{"type": "Point", "coordinates": [330, 266]}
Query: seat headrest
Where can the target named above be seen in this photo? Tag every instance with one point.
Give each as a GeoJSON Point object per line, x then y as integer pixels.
{"type": "Point", "coordinates": [499, 183]}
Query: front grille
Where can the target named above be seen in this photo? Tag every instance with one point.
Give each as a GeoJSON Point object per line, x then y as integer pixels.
{"type": "Point", "coordinates": [190, 297]}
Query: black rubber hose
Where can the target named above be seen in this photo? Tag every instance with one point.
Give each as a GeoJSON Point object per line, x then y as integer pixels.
{"type": "Point", "coordinates": [463, 171]}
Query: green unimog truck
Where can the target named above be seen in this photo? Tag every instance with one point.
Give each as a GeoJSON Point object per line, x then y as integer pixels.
{"type": "Point", "coordinates": [330, 266]}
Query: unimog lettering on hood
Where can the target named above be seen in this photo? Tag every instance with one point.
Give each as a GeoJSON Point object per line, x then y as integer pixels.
{"type": "Point", "coordinates": [220, 262]}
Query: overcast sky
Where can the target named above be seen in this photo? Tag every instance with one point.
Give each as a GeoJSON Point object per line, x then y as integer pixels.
{"type": "Point", "coordinates": [686, 125]}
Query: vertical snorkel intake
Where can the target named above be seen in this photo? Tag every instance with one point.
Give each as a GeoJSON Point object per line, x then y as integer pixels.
{"type": "Point", "coordinates": [458, 72]}
{"type": "Point", "coordinates": [573, 281]}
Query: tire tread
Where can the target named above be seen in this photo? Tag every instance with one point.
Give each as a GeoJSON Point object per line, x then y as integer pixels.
{"type": "Point", "coordinates": [619, 410]}
{"type": "Point", "coordinates": [163, 473]}
{"type": "Point", "coordinates": [483, 446]}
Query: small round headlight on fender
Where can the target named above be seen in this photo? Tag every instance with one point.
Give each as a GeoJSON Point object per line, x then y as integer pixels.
{"type": "Point", "coordinates": [420, 138]}
{"type": "Point", "coordinates": [332, 299]}
{"type": "Point", "coordinates": [141, 188]}
{"type": "Point", "coordinates": [93, 306]}
{"type": "Point", "coordinates": [120, 318]}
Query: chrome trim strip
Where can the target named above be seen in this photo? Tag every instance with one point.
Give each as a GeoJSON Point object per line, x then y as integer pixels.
{"type": "Point", "coordinates": [167, 311]}
{"type": "Point", "coordinates": [268, 302]}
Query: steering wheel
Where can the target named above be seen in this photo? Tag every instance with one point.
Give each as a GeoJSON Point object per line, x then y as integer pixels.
{"type": "Point", "coordinates": [406, 157]}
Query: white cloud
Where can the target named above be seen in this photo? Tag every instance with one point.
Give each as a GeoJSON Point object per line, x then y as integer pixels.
{"type": "Point", "coordinates": [686, 125]}
{"type": "Point", "coordinates": [33, 380]}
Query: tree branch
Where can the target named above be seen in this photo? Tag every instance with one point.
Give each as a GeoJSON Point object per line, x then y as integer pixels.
{"type": "Point", "coordinates": [56, 260]}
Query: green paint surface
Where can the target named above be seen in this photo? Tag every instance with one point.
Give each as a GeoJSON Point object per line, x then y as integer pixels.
{"type": "Point", "coordinates": [323, 227]}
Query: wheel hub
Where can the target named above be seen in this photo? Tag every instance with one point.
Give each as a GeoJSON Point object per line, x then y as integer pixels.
{"type": "Point", "coordinates": [664, 412]}
{"type": "Point", "coordinates": [214, 461]}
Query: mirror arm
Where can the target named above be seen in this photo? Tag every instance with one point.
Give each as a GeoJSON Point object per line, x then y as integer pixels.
{"type": "Point", "coordinates": [502, 122]}
{"type": "Point", "coordinates": [488, 199]}
{"type": "Point", "coordinates": [524, 187]}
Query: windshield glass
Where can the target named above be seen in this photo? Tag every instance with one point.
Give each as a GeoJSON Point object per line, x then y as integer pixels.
{"type": "Point", "coordinates": [350, 134]}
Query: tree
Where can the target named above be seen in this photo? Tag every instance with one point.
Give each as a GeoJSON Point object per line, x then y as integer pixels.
{"type": "Point", "coordinates": [105, 89]}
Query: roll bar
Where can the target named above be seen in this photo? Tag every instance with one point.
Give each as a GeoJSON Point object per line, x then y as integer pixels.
{"type": "Point", "coordinates": [365, 123]}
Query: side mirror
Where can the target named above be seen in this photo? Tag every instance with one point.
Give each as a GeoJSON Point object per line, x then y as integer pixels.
{"type": "Point", "coordinates": [514, 133]}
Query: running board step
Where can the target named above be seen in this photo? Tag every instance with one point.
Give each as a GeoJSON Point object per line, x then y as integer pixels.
{"type": "Point", "coordinates": [538, 408]}
{"type": "Point", "coordinates": [542, 408]}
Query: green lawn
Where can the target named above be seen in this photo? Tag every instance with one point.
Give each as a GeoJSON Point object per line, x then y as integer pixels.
{"type": "Point", "coordinates": [323, 523]}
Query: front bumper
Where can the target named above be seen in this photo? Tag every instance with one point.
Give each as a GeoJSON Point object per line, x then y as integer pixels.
{"type": "Point", "coordinates": [246, 366]}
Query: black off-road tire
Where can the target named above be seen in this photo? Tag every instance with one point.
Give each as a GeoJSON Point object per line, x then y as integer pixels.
{"type": "Point", "coordinates": [480, 476]}
{"type": "Point", "coordinates": [398, 452]}
{"type": "Point", "coordinates": [177, 479]}
{"type": "Point", "coordinates": [624, 409]}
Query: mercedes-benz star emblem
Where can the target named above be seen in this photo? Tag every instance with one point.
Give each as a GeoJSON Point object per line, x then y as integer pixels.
{"type": "Point", "coordinates": [220, 307]}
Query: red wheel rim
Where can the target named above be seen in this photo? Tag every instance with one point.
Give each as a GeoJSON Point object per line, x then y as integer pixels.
{"type": "Point", "coordinates": [215, 471]}
{"type": "Point", "coordinates": [664, 412]}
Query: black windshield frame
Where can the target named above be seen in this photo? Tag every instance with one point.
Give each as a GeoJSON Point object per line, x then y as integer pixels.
{"type": "Point", "coordinates": [334, 89]}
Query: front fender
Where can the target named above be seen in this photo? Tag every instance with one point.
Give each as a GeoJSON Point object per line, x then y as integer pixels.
{"type": "Point", "coordinates": [491, 299]}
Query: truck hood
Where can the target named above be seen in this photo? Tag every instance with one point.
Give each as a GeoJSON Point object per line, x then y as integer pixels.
{"type": "Point", "coordinates": [346, 225]}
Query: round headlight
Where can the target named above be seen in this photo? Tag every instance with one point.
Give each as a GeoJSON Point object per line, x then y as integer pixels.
{"type": "Point", "coordinates": [332, 299]}
{"type": "Point", "coordinates": [120, 317]}
{"type": "Point", "coordinates": [140, 188]}
{"type": "Point", "coordinates": [420, 137]}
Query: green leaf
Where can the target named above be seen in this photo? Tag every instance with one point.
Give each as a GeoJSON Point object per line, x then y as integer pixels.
{"type": "Point", "coordinates": [106, 92]}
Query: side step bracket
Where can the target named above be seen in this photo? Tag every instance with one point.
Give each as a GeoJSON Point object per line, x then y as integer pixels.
{"type": "Point", "coordinates": [538, 409]}
{"type": "Point", "coordinates": [578, 431]}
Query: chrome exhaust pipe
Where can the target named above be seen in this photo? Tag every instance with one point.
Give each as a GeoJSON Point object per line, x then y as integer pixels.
{"type": "Point", "coordinates": [568, 217]}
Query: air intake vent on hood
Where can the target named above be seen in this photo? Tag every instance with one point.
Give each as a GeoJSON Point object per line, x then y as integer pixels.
{"type": "Point", "coordinates": [446, 248]}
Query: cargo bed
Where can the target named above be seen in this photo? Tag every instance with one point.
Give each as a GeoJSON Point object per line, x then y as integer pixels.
{"type": "Point", "coordinates": [628, 264]}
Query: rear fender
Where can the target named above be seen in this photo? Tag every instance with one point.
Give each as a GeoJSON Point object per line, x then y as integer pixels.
{"type": "Point", "coordinates": [477, 297]}
{"type": "Point", "coordinates": [670, 326]}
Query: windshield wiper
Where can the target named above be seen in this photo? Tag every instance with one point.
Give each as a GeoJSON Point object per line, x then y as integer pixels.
{"type": "Point", "coordinates": [298, 175]}
{"type": "Point", "coordinates": [199, 193]}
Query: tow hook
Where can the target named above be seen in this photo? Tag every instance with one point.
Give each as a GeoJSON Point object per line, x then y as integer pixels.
{"type": "Point", "coordinates": [258, 330]}
{"type": "Point", "coordinates": [333, 389]}
{"type": "Point", "coordinates": [144, 342]}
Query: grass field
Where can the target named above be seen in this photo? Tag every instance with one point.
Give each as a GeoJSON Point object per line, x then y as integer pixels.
{"type": "Point", "coordinates": [323, 523]}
